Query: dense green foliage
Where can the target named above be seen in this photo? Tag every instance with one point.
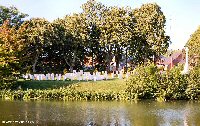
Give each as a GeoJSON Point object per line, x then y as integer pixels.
{"type": "Point", "coordinates": [102, 90]}
{"type": "Point", "coordinates": [194, 47]}
{"type": "Point", "coordinates": [35, 34]}
{"type": "Point", "coordinates": [11, 14]}
{"type": "Point", "coordinates": [144, 83]}
{"type": "Point", "coordinates": [193, 88]}
{"type": "Point", "coordinates": [172, 85]}
{"type": "Point", "coordinates": [9, 62]}
{"type": "Point", "coordinates": [10, 45]}
{"type": "Point", "coordinates": [150, 22]}
{"type": "Point", "coordinates": [62, 94]}
{"type": "Point", "coordinates": [149, 83]}
{"type": "Point", "coordinates": [193, 43]}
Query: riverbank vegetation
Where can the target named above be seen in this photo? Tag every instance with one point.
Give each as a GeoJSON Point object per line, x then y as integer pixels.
{"type": "Point", "coordinates": [71, 90]}
{"type": "Point", "coordinates": [147, 82]}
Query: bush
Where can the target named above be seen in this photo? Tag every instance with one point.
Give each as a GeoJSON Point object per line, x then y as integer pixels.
{"type": "Point", "coordinates": [148, 82]}
{"type": "Point", "coordinates": [7, 79]}
{"type": "Point", "coordinates": [69, 93]}
{"type": "Point", "coordinates": [172, 85]}
{"type": "Point", "coordinates": [144, 83]}
{"type": "Point", "coordinates": [193, 88]}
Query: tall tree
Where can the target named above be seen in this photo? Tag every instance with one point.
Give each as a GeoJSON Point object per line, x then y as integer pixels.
{"type": "Point", "coordinates": [9, 47]}
{"type": "Point", "coordinates": [93, 11]}
{"type": "Point", "coordinates": [61, 45]}
{"type": "Point", "coordinates": [116, 31]}
{"type": "Point", "coordinates": [150, 26]}
{"type": "Point", "coordinates": [35, 34]}
{"type": "Point", "coordinates": [193, 44]}
{"type": "Point", "coordinates": [12, 14]}
{"type": "Point", "coordinates": [75, 35]}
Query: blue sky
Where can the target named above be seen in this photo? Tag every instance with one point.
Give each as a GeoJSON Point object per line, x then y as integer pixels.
{"type": "Point", "coordinates": [182, 15]}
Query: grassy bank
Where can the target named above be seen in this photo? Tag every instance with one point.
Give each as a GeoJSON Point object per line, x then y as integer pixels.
{"type": "Point", "coordinates": [68, 90]}
{"type": "Point", "coordinates": [45, 84]}
{"type": "Point", "coordinates": [114, 84]}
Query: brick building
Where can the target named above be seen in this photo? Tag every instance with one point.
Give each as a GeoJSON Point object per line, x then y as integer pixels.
{"type": "Point", "coordinates": [174, 59]}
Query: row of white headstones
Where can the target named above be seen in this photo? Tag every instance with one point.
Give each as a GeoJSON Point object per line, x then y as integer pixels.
{"type": "Point", "coordinates": [76, 76]}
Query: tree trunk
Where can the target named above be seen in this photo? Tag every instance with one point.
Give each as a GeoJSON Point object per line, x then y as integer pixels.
{"type": "Point", "coordinates": [108, 66]}
{"type": "Point", "coordinates": [71, 68]}
{"type": "Point", "coordinates": [108, 59]}
{"type": "Point", "coordinates": [117, 54]}
{"type": "Point", "coordinates": [92, 59]}
{"type": "Point", "coordinates": [71, 63]}
{"type": "Point", "coordinates": [126, 61]}
{"type": "Point", "coordinates": [35, 62]}
{"type": "Point", "coordinates": [34, 67]}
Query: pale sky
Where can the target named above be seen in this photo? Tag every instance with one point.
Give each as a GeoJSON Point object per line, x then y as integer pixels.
{"type": "Point", "coordinates": [182, 15]}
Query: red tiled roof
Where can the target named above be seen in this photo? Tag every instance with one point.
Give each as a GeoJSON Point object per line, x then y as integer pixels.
{"type": "Point", "coordinates": [174, 57]}
{"type": "Point", "coordinates": [182, 61]}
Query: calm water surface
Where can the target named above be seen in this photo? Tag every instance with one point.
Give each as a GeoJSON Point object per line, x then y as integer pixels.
{"type": "Point", "coordinates": [143, 113]}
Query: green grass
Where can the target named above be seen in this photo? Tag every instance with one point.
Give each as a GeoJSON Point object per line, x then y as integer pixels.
{"type": "Point", "coordinates": [68, 90]}
{"type": "Point", "coordinates": [43, 84]}
{"type": "Point", "coordinates": [114, 85]}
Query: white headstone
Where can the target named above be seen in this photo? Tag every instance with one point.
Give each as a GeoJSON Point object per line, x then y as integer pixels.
{"type": "Point", "coordinates": [59, 77]}
{"type": "Point", "coordinates": [106, 72]}
{"type": "Point", "coordinates": [64, 77]}
{"type": "Point", "coordinates": [112, 75]}
{"type": "Point", "coordinates": [95, 78]}
{"type": "Point", "coordinates": [52, 76]}
{"type": "Point", "coordinates": [116, 72]}
{"type": "Point", "coordinates": [38, 77]}
{"type": "Point", "coordinates": [26, 76]}
{"type": "Point", "coordinates": [74, 71]}
{"type": "Point", "coordinates": [81, 72]}
{"type": "Point", "coordinates": [79, 77]}
{"type": "Point", "coordinates": [46, 76]}
{"type": "Point", "coordinates": [127, 75]}
{"type": "Point", "coordinates": [106, 76]}
{"type": "Point", "coordinates": [119, 76]}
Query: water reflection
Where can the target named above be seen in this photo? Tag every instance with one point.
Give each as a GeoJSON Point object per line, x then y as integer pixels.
{"type": "Point", "coordinates": [144, 113]}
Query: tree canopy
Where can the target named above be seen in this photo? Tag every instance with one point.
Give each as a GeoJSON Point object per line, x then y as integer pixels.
{"type": "Point", "coordinates": [194, 43]}
{"type": "Point", "coordinates": [36, 34]}
{"type": "Point", "coordinates": [99, 31]}
{"type": "Point", "coordinates": [9, 48]}
{"type": "Point", "coordinates": [12, 14]}
{"type": "Point", "coordinates": [150, 24]}
{"type": "Point", "coordinates": [194, 48]}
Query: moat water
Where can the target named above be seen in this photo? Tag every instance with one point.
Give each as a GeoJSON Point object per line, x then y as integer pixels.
{"type": "Point", "coordinates": [81, 113]}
